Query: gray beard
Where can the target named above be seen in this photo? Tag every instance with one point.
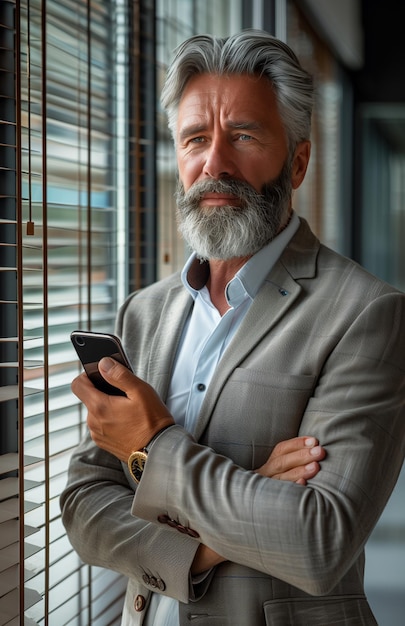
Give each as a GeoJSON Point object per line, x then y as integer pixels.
{"type": "Point", "coordinates": [228, 232]}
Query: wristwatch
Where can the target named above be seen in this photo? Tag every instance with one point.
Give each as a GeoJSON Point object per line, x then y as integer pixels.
{"type": "Point", "coordinates": [136, 463]}
{"type": "Point", "coordinates": [138, 458]}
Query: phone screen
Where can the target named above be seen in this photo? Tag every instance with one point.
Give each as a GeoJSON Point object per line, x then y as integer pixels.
{"type": "Point", "coordinates": [91, 348]}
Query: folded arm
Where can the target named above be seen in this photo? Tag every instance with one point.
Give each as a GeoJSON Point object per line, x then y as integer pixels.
{"type": "Point", "coordinates": [307, 537]}
{"type": "Point", "coordinates": [96, 511]}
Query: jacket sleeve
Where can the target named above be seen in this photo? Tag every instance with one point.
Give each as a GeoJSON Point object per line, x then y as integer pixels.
{"type": "Point", "coordinates": [96, 511]}
{"type": "Point", "coordinates": [306, 536]}
{"type": "Point", "coordinates": [97, 500]}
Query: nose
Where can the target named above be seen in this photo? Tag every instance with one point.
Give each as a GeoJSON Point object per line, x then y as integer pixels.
{"type": "Point", "coordinates": [219, 162]}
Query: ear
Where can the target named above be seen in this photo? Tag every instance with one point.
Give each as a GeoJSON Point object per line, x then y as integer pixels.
{"type": "Point", "coordinates": [300, 163]}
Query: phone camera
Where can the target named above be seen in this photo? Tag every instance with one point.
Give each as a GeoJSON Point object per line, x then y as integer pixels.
{"type": "Point", "coordinates": [80, 341]}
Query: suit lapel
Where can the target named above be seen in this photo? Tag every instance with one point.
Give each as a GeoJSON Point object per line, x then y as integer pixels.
{"type": "Point", "coordinates": [167, 336]}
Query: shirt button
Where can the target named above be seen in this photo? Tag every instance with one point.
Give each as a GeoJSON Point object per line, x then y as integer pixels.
{"type": "Point", "coordinates": [201, 387]}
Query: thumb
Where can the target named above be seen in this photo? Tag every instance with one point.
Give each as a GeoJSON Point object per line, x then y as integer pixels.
{"type": "Point", "coordinates": [115, 373]}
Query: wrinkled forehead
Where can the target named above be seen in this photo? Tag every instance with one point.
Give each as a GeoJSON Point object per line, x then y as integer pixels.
{"type": "Point", "coordinates": [238, 98]}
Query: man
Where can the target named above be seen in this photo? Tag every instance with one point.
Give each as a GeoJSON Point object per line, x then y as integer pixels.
{"type": "Point", "coordinates": [267, 337]}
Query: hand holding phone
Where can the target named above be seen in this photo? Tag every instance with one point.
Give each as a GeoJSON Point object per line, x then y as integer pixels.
{"type": "Point", "coordinates": [91, 348]}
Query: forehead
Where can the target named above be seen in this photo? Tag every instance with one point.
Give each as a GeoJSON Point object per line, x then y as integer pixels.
{"type": "Point", "coordinates": [235, 97]}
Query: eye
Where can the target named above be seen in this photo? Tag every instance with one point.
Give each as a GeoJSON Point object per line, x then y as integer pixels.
{"type": "Point", "coordinates": [197, 139]}
{"type": "Point", "coordinates": [244, 137]}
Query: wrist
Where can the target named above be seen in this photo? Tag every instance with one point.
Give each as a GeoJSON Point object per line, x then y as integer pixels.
{"type": "Point", "coordinates": [137, 459]}
{"type": "Point", "coordinates": [155, 436]}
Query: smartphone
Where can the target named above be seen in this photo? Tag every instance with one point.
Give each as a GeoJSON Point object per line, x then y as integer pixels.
{"type": "Point", "coordinates": [90, 348]}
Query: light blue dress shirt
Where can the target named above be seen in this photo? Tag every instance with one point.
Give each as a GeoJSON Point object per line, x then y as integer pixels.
{"type": "Point", "coordinates": [205, 337]}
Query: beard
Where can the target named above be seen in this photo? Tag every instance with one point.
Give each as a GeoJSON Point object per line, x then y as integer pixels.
{"type": "Point", "coordinates": [227, 232]}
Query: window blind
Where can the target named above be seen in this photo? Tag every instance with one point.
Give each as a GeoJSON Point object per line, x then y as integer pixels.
{"type": "Point", "coordinates": [63, 173]}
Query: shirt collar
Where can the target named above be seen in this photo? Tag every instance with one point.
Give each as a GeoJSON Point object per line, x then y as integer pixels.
{"type": "Point", "coordinates": [248, 280]}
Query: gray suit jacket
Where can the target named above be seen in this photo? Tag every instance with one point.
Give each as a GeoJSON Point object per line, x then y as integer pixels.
{"type": "Point", "coordinates": [320, 352]}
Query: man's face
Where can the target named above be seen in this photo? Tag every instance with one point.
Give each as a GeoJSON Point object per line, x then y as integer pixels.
{"type": "Point", "coordinates": [229, 126]}
{"type": "Point", "coordinates": [232, 156]}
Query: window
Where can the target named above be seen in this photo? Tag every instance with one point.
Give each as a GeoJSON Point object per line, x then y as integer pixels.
{"type": "Point", "coordinates": [64, 122]}
{"type": "Point", "coordinates": [320, 200]}
{"type": "Point", "coordinates": [382, 171]}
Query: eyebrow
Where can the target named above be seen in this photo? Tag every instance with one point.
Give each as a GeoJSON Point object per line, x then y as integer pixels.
{"type": "Point", "coordinates": [244, 125]}
{"type": "Point", "coordinates": [193, 129]}
{"type": "Point", "coordinates": [196, 129]}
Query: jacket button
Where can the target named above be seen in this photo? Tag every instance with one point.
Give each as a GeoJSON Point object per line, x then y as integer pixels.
{"type": "Point", "coordinates": [172, 523]}
{"type": "Point", "coordinates": [161, 585]}
{"type": "Point", "coordinates": [139, 603]}
{"type": "Point", "coordinates": [146, 579]}
{"type": "Point", "coordinates": [193, 533]}
{"type": "Point", "coordinates": [163, 519]}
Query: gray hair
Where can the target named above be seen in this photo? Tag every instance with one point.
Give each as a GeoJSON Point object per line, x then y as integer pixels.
{"type": "Point", "coordinates": [251, 52]}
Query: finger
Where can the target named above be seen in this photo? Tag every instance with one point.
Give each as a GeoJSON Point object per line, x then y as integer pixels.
{"type": "Point", "coordinates": [116, 374]}
{"type": "Point", "coordinates": [292, 445]}
{"type": "Point", "coordinates": [81, 386]}
{"type": "Point", "coordinates": [135, 388]}
{"type": "Point", "coordinates": [300, 474]}
{"type": "Point", "coordinates": [296, 459]}
{"type": "Point", "coordinates": [152, 413]}
{"type": "Point", "coordinates": [97, 403]}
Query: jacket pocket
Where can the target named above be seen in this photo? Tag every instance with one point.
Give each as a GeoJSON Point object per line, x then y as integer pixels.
{"type": "Point", "coordinates": [325, 611]}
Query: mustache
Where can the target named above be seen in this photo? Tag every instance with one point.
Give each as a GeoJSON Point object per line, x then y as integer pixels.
{"type": "Point", "coordinates": [243, 191]}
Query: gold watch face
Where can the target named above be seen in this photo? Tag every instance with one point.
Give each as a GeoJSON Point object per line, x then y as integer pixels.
{"type": "Point", "coordinates": [136, 464]}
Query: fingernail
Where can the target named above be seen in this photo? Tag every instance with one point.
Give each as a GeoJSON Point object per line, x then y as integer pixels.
{"type": "Point", "coordinates": [310, 442]}
{"type": "Point", "coordinates": [310, 467]}
{"type": "Point", "coordinates": [106, 364]}
{"type": "Point", "coordinates": [315, 451]}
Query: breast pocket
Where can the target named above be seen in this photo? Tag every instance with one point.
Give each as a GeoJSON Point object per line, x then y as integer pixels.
{"type": "Point", "coordinates": [255, 411]}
